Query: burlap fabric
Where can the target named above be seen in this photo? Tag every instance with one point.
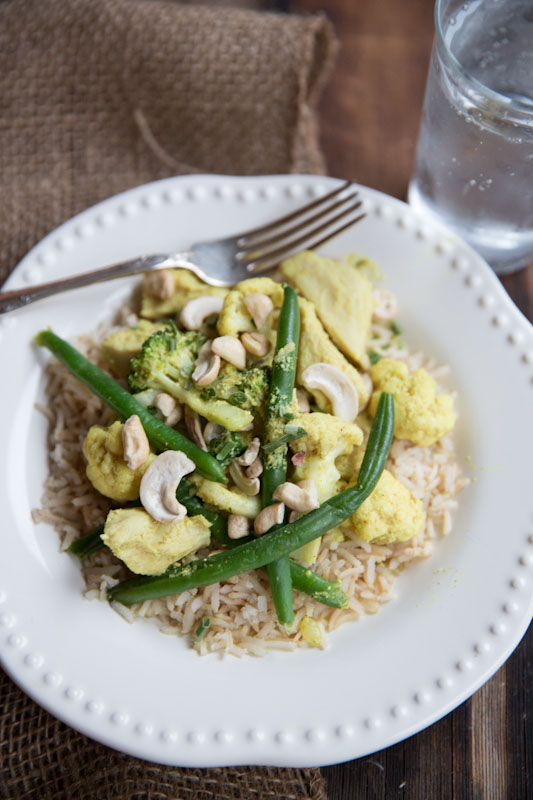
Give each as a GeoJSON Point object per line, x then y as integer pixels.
{"type": "Point", "coordinates": [97, 96]}
{"type": "Point", "coordinates": [42, 759]}
{"type": "Point", "coordinates": [100, 95]}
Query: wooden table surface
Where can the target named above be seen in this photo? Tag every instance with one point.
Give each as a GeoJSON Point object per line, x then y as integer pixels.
{"type": "Point", "coordinates": [369, 119]}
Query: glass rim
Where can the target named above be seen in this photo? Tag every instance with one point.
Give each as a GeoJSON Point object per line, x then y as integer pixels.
{"type": "Point", "coordinates": [491, 95]}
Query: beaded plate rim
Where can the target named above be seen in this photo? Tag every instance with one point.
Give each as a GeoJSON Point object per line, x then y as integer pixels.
{"type": "Point", "coordinates": [280, 744]}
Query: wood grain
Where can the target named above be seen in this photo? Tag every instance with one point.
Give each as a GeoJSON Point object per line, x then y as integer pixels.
{"type": "Point", "coordinates": [370, 113]}
{"type": "Point", "coordinates": [369, 119]}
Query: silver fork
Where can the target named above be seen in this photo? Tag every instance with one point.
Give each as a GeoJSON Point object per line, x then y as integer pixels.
{"type": "Point", "coordinates": [224, 262]}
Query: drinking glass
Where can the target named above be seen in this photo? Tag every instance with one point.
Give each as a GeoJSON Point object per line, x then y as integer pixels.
{"type": "Point", "coordinates": [474, 161]}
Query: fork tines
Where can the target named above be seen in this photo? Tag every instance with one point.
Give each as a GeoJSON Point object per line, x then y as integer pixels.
{"type": "Point", "coordinates": [308, 227]}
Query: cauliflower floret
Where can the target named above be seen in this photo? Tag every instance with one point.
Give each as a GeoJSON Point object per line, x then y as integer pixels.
{"type": "Point", "coordinates": [148, 547]}
{"type": "Point", "coordinates": [186, 287]}
{"type": "Point", "coordinates": [342, 296]}
{"type": "Point", "coordinates": [389, 514]}
{"type": "Point", "coordinates": [421, 416]}
{"type": "Point", "coordinates": [328, 439]}
{"type": "Point", "coordinates": [230, 500]}
{"type": "Point", "coordinates": [316, 347]}
{"type": "Point", "coordinates": [106, 468]}
{"type": "Point", "coordinates": [235, 318]}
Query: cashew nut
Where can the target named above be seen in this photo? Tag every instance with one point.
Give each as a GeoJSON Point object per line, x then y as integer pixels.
{"type": "Point", "coordinates": [168, 406]}
{"type": "Point", "coordinates": [238, 526]}
{"type": "Point", "coordinates": [135, 443]}
{"type": "Point", "coordinates": [385, 305]}
{"type": "Point", "coordinates": [255, 469]}
{"type": "Point", "coordinates": [159, 484]}
{"type": "Point", "coordinates": [249, 486]}
{"type": "Point", "coordinates": [259, 307]}
{"type": "Point", "coordinates": [302, 398]}
{"type": "Point", "coordinates": [300, 496]}
{"type": "Point", "coordinates": [160, 284]}
{"type": "Point", "coordinates": [212, 430]}
{"type": "Point", "coordinates": [269, 516]}
{"type": "Point", "coordinates": [207, 366]}
{"type": "Point", "coordinates": [192, 421]}
{"type": "Point", "coordinates": [336, 386]}
{"type": "Point", "coordinates": [250, 454]}
{"type": "Point", "coordinates": [230, 349]}
{"type": "Point", "coordinates": [255, 343]}
{"type": "Point", "coordinates": [195, 312]}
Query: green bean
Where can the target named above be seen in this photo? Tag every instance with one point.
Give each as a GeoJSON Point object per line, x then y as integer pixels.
{"type": "Point", "coordinates": [327, 592]}
{"type": "Point", "coordinates": [281, 541]}
{"type": "Point", "coordinates": [277, 411]}
{"type": "Point", "coordinates": [124, 405]}
{"type": "Point", "coordinates": [88, 544]}
{"type": "Point", "coordinates": [219, 524]}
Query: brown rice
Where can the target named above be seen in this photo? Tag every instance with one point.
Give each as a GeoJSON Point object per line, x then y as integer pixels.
{"type": "Point", "coordinates": [243, 620]}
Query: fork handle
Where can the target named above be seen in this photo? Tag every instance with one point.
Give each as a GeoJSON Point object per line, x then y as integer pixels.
{"type": "Point", "coordinates": [10, 301]}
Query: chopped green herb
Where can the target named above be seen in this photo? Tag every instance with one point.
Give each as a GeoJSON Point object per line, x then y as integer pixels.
{"type": "Point", "coordinates": [225, 451]}
{"type": "Point", "coordinates": [374, 357]}
{"type": "Point", "coordinates": [172, 325]}
{"type": "Point", "coordinates": [291, 428]}
{"type": "Point", "coordinates": [238, 399]}
{"type": "Point", "coordinates": [202, 628]}
{"type": "Point", "coordinates": [227, 446]}
{"type": "Point", "coordinates": [292, 432]}
{"type": "Point", "coordinates": [395, 328]}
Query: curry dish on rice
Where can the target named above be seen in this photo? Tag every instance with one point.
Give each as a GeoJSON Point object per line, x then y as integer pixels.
{"type": "Point", "coordinates": [253, 466]}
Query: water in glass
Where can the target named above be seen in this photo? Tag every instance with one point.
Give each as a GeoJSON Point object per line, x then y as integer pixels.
{"type": "Point", "coordinates": [474, 165]}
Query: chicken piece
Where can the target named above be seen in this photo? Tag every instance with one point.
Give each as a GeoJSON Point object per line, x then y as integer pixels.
{"type": "Point", "coordinates": [328, 439]}
{"type": "Point", "coordinates": [342, 296]}
{"type": "Point", "coordinates": [230, 500]}
{"type": "Point", "coordinates": [106, 468]}
{"type": "Point", "coordinates": [235, 317]}
{"type": "Point", "coordinates": [186, 287]}
{"type": "Point", "coordinates": [421, 416]}
{"type": "Point", "coordinates": [316, 346]}
{"type": "Point", "coordinates": [389, 514]}
{"type": "Point", "coordinates": [119, 347]}
{"type": "Point", "coordinates": [148, 547]}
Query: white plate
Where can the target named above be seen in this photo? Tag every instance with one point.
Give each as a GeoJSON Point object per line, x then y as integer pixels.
{"type": "Point", "coordinates": [457, 616]}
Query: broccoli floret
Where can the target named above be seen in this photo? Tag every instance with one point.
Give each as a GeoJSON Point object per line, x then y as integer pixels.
{"type": "Point", "coordinates": [227, 447]}
{"type": "Point", "coordinates": [246, 389]}
{"type": "Point", "coordinates": [166, 363]}
{"type": "Point", "coordinates": [165, 355]}
{"type": "Point", "coordinates": [254, 385]}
